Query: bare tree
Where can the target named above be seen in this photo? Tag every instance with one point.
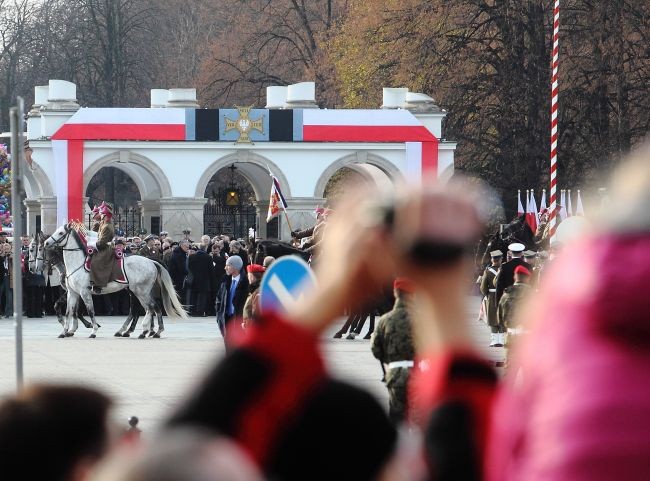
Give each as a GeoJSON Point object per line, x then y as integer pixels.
{"type": "Point", "coordinates": [267, 43]}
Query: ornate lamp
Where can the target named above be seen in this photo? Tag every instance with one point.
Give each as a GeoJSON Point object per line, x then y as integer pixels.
{"type": "Point", "coordinates": [232, 193]}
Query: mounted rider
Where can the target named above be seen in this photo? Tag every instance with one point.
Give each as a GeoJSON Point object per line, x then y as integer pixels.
{"type": "Point", "coordinates": [312, 245]}
{"type": "Point", "coordinates": [313, 235]}
{"type": "Point", "coordinates": [96, 219]}
{"type": "Point", "coordinates": [101, 266]}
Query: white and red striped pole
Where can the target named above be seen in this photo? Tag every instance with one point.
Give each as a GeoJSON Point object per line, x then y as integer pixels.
{"type": "Point", "coordinates": [554, 110]}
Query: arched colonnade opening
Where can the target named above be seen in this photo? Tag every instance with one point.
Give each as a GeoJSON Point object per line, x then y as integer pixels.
{"type": "Point", "coordinates": [142, 194]}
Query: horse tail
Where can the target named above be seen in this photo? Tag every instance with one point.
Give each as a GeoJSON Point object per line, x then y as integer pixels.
{"type": "Point", "coordinates": [171, 303]}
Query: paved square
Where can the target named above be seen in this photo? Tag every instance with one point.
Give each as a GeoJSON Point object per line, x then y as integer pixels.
{"type": "Point", "coordinates": [148, 377]}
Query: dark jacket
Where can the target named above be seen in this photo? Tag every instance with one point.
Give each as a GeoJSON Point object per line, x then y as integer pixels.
{"type": "Point", "coordinates": [218, 269]}
{"type": "Point", "coordinates": [200, 265]}
{"type": "Point", "coordinates": [506, 276]}
{"type": "Point", "coordinates": [177, 268]}
{"type": "Point", "coordinates": [221, 304]}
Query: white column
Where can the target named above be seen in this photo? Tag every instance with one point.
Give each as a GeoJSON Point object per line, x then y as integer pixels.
{"type": "Point", "coordinates": [149, 208]}
{"type": "Point", "coordinates": [48, 214]}
{"type": "Point", "coordinates": [262, 210]}
{"type": "Point", "coordinates": [33, 209]}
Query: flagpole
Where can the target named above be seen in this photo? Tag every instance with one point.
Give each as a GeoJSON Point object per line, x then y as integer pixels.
{"type": "Point", "coordinates": [288, 222]}
{"type": "Point", "coordinates": [554, 110]}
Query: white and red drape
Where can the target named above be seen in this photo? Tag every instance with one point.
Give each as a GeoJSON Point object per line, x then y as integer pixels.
{"type": "Point", "coordinates": [309, 125]}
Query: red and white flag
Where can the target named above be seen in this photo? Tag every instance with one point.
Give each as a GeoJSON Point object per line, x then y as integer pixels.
{"type": "Point", "coordinates": [520, 207]}
{"type": "Point", "coordinates": [277, 204]}
{"type": "Point", "coordinates": [579, 208]}
{"type": "Point", "coordinates": [569, 207]}
{"type": "Point", "coordinates": [530, 214]}
{"type": "Point", "coordinates": [542, 202]}
{"type": "Point", "coordinates": [563, 212]}
{"type": "Point", "coordinates": [533, 208]}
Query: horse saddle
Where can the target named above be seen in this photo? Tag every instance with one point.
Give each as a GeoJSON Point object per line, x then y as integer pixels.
{"type": "Point", "coordinates": [118, 273]}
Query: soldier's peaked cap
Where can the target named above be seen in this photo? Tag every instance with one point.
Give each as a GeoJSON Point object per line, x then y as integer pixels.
{"type": "Point", "coordinates": [516, 247]}
{"type": "Point", "coordinates": [530, 253]}
{"type": "Point", "coordinates": [496, 253]}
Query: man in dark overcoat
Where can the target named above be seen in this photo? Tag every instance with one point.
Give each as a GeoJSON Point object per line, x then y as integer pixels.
{"type": "Point", "coordinates": [200, 267]}
{"type": "Point", "coordinates": [231, 296]}
{"type": "Point", "coordinates": [506, 276]}
{"type": "Point", "coordinates": [178, 266]}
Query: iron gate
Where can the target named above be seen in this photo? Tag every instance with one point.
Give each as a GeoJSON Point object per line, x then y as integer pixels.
{"type": "Point", "coordinates": [129, 221]}
{"type": "Point", "coordinates": [233, 221]}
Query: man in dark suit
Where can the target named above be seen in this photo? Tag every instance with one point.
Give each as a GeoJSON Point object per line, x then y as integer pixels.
{"type": "Point", "coordinates": [232, 296]}
{"type": "Point", "coordinates": [200, 266]}
{"type": "Point", "coordinates": [506, 276]}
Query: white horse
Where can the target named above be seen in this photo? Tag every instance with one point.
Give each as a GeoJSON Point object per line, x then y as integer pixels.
{"type": "Point", "coordinates": [142, 276]}
{"type": "Point", "coordinates": [36, 260]}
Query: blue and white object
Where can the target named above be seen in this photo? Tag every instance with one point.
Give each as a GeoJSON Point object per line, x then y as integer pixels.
{"type": "Point", "coordinates": [285, 283]}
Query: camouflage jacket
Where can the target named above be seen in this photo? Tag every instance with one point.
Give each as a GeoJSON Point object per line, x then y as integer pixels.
{"type": "Point", "coordinates": [510, 302]}
{"type": "Point", "coordinates": [392, 339]}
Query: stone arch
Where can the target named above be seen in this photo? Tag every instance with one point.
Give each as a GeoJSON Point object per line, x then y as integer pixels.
{"type": "Point", "coordinates": [38, 181]}
{"type": "Point", "coordinates": [253, 167]}
{"type": "Point", "coordinates": [353, 161]}
{"type": "Point", "coordinates": [149, 178]}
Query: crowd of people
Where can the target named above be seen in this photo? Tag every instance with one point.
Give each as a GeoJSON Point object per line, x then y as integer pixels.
{"type": "Point", "coordinates": [575, 408]}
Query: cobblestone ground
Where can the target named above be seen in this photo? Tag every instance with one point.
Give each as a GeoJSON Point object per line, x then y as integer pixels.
{"type": "Point", "coordinates": [148, 377]}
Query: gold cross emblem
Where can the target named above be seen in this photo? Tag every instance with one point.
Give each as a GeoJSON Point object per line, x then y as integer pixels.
{"type": "Point", "coordinates": [244, 125]}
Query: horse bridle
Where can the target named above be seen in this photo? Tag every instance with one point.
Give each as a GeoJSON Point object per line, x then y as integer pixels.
{"type": "Point", "coordinates": [57, 242]}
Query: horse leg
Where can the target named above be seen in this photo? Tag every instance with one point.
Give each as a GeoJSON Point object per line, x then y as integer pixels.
{"type": "Point", "coordinates": [58, 308]}
{"type": "Point", "coordinates": [146, 325]}
{"type": "Point", "coordinates": [161, 325]}
{"type": "Point", "coordinates": [90, 308]}
{"type": "Point", "coordinates": [135, 311]}
{"type": "Point", "coordinates": [73, 299]}
{"type": "Point", "coordinates": [123, 330]}
{"type": "Point", "coordinates": [83, 320]}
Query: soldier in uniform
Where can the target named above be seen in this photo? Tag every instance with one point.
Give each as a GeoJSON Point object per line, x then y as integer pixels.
{"type": "Point", "coordinates": [489, 291]}
{"type": "Point", "coordinates": [506, 274]}
{"type": "Point", "coordinates": [252, 306]}
{"type": "Point", "coordinates": [392, 345]}
{"type": "Point", "coordinates": [96, 219]}
{"type": "Point", "coordinates": [101, 266]}
{"type": "Point", "coordinates": [148, 249]}
{"type": "Point", "coordinates": [315, 234]}
{"type": "Point", "coordinates": [511, 300]}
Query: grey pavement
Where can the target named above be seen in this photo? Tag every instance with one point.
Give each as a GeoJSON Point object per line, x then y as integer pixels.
{"type": "Point", "coordinates": [149, 377]}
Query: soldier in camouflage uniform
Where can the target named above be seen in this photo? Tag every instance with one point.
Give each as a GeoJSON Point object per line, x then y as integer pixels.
{"type": "Point", "coordinates": [392, 344]}
{"type": "Point", "coordinates": [511, 301]}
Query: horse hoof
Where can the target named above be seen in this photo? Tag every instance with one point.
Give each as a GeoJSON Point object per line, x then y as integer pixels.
{"type": "Point", "coordinates": [152, 333]}
{"type": "Point", "coordinates": [142, 336]}
{"type": "Point", "coordinates": [118, 334]}
{"type": "Point", "coordinates": [126, 334]}
{"type": "Point", "coordinates": [93, 336]}
{"type": "Point", "coordinates": [69, 334]}
{"type": "Point", "coordinates": [156, 335]}
{"type": "Point", "coordinates": [61, 336]}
